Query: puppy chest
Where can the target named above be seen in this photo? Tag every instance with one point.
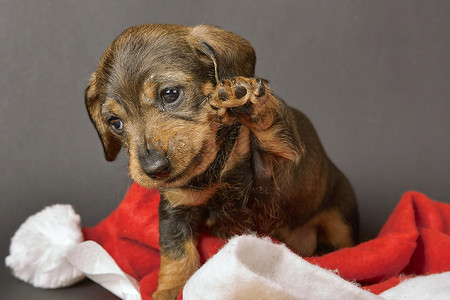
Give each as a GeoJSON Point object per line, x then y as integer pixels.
{"type": "Point", "coordinates": [225, 218]}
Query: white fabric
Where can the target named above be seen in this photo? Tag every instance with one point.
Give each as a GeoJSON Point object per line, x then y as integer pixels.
{"type": "Point", "coordinates": [46, 245]}
{"type": "Point", "coordinates": [90, 258]}
{"type": "Point", "coordinates": [38, 248]}
{"type": "Point", "coordinates": [253, 268]}
{"type": "Point", "coordinates": [248, 267]}
{"type": "Point", "coordinates": [430, 287]}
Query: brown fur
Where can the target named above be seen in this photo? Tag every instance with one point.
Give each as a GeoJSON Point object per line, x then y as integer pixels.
{"type": "Point", "coordinates": [175, 272]}
{"type": "Point", "coordinates": [226, 154]}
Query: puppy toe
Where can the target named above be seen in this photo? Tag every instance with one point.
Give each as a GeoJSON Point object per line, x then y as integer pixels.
{"type": "Point", "coordinates": [223, 95]}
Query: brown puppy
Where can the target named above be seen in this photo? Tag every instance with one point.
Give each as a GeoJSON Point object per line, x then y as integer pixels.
{"type": "Point", "coordinates": [226, 155]}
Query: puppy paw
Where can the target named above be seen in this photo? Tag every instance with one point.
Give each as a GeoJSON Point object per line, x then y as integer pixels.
{"type": "Point", "coordinates": [240, 99]}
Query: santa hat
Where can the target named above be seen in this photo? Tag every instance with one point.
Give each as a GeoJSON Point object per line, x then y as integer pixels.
{"type": "Point", "coordinates": [122, 254]}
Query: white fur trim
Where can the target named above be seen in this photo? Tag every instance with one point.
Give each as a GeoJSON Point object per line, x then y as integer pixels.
{"type": "Point", "coordinates": [100, 267]}
{"type": "Point", "coordinates": [38, 249]}
{"type": "Point", "coordinates": [252, 268]}
{"type": "Point", "coordinates": [429, 287]}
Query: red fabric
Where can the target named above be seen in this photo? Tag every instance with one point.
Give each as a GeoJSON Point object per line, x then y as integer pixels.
{"type": "Point", "coordinates": [415, 240]}
{"type": "Point", "coordinates": [130, 235]}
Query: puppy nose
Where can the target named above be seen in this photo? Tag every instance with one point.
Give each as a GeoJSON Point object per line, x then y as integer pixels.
{"type": "Point", "coordinates": [155, 164]}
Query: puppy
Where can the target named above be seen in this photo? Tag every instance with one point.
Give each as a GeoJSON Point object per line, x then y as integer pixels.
{"type": "Point", "coordinates": [226, 154]}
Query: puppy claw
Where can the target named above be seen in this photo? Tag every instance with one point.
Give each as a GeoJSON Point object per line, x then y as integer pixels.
{"type": "Point", "coordinates": [223, 95]}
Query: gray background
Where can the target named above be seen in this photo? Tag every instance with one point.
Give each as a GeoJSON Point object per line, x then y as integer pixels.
{"type": "Point", "coordinates": [373, 76]}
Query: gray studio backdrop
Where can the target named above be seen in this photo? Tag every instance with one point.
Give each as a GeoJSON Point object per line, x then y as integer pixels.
{"type": "Point", "coordinates": [373, 76]}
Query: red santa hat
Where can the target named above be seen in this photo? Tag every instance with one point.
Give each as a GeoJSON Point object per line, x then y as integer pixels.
{"type": "Point", "coordinates": [414, 241]}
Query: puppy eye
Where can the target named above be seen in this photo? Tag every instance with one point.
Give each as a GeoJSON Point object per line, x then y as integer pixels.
{"type": "Point", "coordinates": [171, 95]}
{"type": "Point", "coordinates": [116, 124]}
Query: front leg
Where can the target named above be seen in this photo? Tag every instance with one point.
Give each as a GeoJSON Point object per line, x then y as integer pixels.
{"type": "Point", "coordinates": [178, 227]}
{"type": "Point", "coordinates": [250, 101]}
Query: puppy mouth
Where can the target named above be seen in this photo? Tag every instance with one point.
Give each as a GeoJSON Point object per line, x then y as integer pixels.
{"type": "Point", "coordinates": [162, 174]}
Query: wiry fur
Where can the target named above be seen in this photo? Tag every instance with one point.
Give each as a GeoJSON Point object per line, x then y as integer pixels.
{"type": "Point", "coordinates": [235, 157]}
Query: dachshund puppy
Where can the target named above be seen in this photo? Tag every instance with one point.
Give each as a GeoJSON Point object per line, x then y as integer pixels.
{"type": "Point", "coordinates": [226, 154]}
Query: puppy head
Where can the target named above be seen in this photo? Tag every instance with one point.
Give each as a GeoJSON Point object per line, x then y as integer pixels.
{"type": "Point", "coordinates": [149, 95]}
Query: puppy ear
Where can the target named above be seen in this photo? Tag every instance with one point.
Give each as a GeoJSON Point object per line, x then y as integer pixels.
{"type": "Point", "coordinates": [111, 146]}
{"type": "Point", "coordinates": [231, 54]}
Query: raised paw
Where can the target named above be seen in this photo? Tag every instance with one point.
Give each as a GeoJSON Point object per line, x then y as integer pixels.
{"type": "Point", "coordinates": [239, 99]}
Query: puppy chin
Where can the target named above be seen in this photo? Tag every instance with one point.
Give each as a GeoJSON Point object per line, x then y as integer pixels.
{"type": "Point", "coordinates": [172, 180]}
{"type": "Point", "coordinates": [149, 182]}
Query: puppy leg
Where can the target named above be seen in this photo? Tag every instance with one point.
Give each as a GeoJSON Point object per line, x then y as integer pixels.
{"type": "Point", "coordinates": [250, 102]}
{"type": "Point", "coordinates": [178, 227]}
{"type": "Point", "coordinates": [324, 233]}
{"type": "Point", "coordinates": [334, 232]}
{"type": "Point", "coordinates": [335, 227]}
{"type": "Point", "coordinates": [175, 271]}
{"type": "Point", "coordinates": [340, 222]}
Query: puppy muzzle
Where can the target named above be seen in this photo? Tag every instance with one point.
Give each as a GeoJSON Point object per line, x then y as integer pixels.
{"type": "Point", "coordinates": [154, 164]}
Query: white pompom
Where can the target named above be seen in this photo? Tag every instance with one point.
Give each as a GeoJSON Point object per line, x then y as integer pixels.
{"type": "Point", "coordinates": [38, 249]}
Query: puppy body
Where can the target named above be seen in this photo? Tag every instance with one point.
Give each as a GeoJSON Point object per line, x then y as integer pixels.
{"type": "Point", "coordinates": [226, 154]}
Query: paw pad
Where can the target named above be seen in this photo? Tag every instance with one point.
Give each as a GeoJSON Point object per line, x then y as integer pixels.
{"type": "Point", "coordinates": [238, 98]}
{"type": "Point", "coordinates": [239, 91]}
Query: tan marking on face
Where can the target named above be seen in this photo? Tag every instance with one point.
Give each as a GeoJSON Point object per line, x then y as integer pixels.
{"type": "Point", "coordinates": [191, 148]}
{"type": "Point", "coordinates": [112, 106]}
{"type": "Point", "coordinates": [150, 92]}
{"type": "Point", "coordinates": [173, 75]}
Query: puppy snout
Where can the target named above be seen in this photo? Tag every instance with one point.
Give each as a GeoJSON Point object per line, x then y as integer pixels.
{"type": "Point", "coordinates": [154, 163]}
